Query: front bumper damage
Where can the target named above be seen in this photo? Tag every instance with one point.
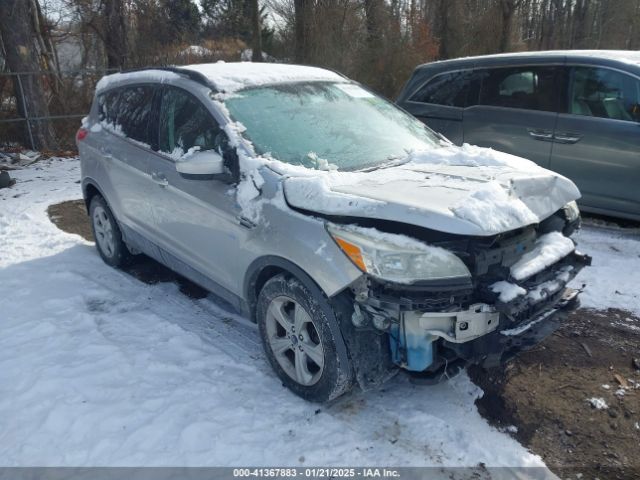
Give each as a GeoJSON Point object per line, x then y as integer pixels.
{"type": "Point", "coordinates": [433, 334]}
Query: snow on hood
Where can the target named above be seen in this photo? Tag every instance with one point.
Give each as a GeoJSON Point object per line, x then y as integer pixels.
{"type": "Point", "coordinates": [463, 190]}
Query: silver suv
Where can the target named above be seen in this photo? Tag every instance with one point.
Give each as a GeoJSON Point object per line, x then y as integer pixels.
{"type": "Point", "coordinates": [360, 241]}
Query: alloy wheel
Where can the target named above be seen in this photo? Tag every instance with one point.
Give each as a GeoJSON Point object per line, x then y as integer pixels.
{"type": "Point", "coordinates": [294, 340]}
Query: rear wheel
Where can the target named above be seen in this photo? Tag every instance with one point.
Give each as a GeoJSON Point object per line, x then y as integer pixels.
{"type": "Point", "coordinates": [299, 341]}
{"type": "Point", "coordinates": [107, 234]}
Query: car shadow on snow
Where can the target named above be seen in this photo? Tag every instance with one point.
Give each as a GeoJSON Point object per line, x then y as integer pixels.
{"type": "Point", "coordinates": [71, 217]}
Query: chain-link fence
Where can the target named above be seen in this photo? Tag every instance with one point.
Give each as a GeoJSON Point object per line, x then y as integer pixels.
{"type": "Point", "coordinates": [68, 95]}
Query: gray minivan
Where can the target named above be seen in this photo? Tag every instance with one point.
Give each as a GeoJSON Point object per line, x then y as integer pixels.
{"type": "Point", "coordinates": [574, 112]}
{"type": "Point", "coordinates": [357, 239]}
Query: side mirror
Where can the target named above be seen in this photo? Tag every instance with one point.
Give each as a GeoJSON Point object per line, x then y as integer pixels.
{"type": "Point", "coordinates": [207, 162]}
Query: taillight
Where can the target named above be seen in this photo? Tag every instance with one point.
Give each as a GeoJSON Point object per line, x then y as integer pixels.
{"type": "Point", "coordinates": [82, 134]}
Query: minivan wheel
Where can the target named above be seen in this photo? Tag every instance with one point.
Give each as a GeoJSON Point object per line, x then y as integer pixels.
{"type": "Point", "coordinates": [107, 233]}
{"type": "Point", "coordinates": [299, 340]}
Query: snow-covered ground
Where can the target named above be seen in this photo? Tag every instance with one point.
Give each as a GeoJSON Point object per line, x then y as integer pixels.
{"type": "Point", "coordinates": [97, 368]}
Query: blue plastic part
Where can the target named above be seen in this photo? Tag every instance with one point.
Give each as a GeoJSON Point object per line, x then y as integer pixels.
{"type": "Point", "coordinates": [417, 348]}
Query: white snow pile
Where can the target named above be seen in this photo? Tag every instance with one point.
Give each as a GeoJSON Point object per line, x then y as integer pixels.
{"type": "Point", "coordinates": [494, 209]}
{"type": "Point", "coordinates": [317, 193]}
{"type": "Point", "coordinates": [473, 156]}
{"type": "Point", "coordinates": [598, 403]}
{"type": "Point", "coordinates": [234, 76]}
{"type": "Point", "coordinates": [550, 287]}
{"type": "Point", "coordinates": [499, 192]}
{"type": "Point", "coordinates": [548, 249]}
{"type": "Point", "coordinates": [616, 260]}
{"type": "Point", "coordinates": [97, 368]}
{"type": "Point", "coordinates": [196, 51]}
{"type": "Point", "coordinates": [507, 291]}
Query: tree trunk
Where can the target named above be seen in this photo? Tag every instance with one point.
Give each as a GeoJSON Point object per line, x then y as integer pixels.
{"type": "Point", "coordinates": [256, 30]}
{"type": "Point", "coordinates": [508, 8]}
{"type": "Point", "coordinates": [302, 8]}
{"type": "Point", "coordinates": [115, 34]}
{"type": "Point", "coordinates": [372, 11]}
{"type": "Point", "coordinates": [441, 28]}
{"type": "Point", "coordinates": [21, 55]}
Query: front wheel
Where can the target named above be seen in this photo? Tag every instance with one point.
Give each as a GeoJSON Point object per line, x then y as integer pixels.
{"type": "Point", "coordinates": [299, 341]}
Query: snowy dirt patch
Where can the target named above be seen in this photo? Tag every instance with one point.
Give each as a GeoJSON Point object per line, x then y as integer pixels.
{"type": "Point", "coordinates": [98, 368]}
{"type": "Point", "coordinates": [573, 398]}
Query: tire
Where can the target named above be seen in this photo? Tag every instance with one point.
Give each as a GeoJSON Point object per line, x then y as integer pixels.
{"type": "Point", "coordinates": [300, 342]}
{"type": "Point", "coordinates": [107, 234]}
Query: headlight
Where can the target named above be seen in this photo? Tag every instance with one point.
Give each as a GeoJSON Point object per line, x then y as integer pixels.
{"type": "Point", "coordinates": [571, 211]}
{"type": "Point", "coordinates": [396, 258]}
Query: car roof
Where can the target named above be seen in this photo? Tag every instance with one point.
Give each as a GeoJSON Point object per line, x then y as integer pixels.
{"type": "Point", "coordinates": [226, 77]}
{"type": "Point", "coordinates": [234, 76]}
{"type": "Point", "coordinates": [631, 57]}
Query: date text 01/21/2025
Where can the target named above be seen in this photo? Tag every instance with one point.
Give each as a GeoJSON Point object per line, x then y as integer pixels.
{"type": "Point", "coordinates": [316, 472]}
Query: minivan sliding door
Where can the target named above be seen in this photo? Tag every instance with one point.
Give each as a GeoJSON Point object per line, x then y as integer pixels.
{"type": "Point", "coordinates": [597, 140]}
{"type": "Point", "coordinates": [515, 110]}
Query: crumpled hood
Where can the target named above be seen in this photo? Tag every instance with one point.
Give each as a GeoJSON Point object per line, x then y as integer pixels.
{"type": "Point", "coordinates": [461, 190]}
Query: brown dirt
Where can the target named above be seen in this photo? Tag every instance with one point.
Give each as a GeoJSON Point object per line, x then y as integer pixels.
{"type": "Point", "coordinates": [543, 392]}
{"type": "Point", "coordinates": [71, 217]}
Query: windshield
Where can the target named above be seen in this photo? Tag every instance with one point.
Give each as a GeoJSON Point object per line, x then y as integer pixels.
{"type": "Point", "coordinates": [327, 125]}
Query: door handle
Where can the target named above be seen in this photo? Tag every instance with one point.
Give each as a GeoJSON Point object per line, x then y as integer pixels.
{"type": "Point", "coordinates": [245, 222]}
{"type": "Point", "coordinates": [543, 135]}
{"type": "Point", "coordinates": [567, 137]}
{"type": "Point", "coordinates": [106, 152]}
{"type": "Point", "coordinates": [160, 179]}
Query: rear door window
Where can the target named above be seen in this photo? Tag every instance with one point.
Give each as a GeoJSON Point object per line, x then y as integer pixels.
{"type": "Point", "coordinates": [604, 93]}
{"type": "Point", "coordinates": [186, 124]}
{"type": "Point", "coordinates": [531, 88]}
{"type": "Point", "coordinates": [449, 89]}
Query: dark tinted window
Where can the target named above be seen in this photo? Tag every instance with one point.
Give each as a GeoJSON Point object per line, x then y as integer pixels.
{"type": "Point", "coordinates": [108, 106]}
{"type": "Point", "coordinates": [185, 123]}
{"type": "Point", "coordinates": [446, 89]}
{"type": "Point", "coordinates": [532, 88]}
{"type": "Point", "coordinates": [128, 110]}
{"type": "Point", "coordinates": [600, 92]}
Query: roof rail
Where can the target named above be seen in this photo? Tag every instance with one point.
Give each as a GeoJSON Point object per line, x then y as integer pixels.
{"type": "Point", "coordinates": [191, 74]}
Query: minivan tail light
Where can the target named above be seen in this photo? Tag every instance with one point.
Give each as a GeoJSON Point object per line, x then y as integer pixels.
{"type": "Point", "coordinates": [82, 134]}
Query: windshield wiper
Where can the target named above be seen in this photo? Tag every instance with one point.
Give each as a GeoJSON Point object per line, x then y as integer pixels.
{"type": "Point", "coordinates": [394, 162]}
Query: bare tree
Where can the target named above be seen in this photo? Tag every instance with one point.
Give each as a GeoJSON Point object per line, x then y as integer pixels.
{"type": "Point", "coordinates": [256, 32]}
{"type": "Point", "coordinates": [114, 33]}
{"type": "Point", "coordinates": [21, 47]}
{"type": "Point", "coordinates": [302, 18]}
{"type": "Point", "coordinates": [507, 9]}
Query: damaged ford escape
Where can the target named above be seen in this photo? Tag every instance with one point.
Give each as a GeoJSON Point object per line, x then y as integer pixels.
{"type": "Point", "coordinates": [360, 242]}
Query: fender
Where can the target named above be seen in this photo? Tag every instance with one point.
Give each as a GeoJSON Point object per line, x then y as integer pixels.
{"type": "Point", "coordinates": [281, 264]}
{"type": "Point", "coordinates": [86, 183]}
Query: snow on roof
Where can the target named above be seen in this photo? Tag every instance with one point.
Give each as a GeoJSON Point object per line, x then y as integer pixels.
{"type": "Point", "coordinates": [626, 56]}
{"type": "Point", "coordinates": [150, 75]}
{"type": "Point", "coordinates": [229, 77]}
